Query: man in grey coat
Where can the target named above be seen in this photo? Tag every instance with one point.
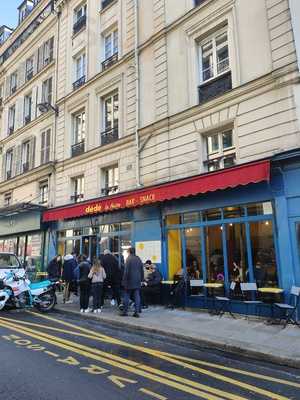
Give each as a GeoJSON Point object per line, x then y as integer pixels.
{"type": "Point", "coordinates": [132, 281]}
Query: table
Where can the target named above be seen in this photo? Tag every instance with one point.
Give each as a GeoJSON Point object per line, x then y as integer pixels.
{"type": "Point", "coordinates": [213, 286]}
{"type": "Point", "coordinates": [167, 282]}
{"type": "Point", "coordinates": [273, 291]}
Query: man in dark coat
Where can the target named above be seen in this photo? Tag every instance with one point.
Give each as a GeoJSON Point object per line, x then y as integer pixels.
{"type": "Point", "coordinates": [132, 281]}
{"type": "Point", "coordinates": [152, 285]}
{"type": "Point", "coordinates": [113, 276]}
{"type": "Point", "coordinates": [54, 268]}
{"type": "Point", "coordinates": [84, 283]}
{"type": "Point", "coordinates": [68, 276]}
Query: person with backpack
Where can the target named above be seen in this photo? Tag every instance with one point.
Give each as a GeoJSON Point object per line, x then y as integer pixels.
{"type": "Point", "coordinates": [84, 284]}
{"type": "Point", "coordinates": [97, 275]}
{"type": "Point", "coordinates": [69, 267]}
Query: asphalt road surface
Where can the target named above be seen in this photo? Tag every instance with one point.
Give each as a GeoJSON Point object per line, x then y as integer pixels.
{"type": "Point", "coordinates": [56, 356]}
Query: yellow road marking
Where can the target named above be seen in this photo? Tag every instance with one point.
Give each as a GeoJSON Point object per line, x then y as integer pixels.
{"type": "Point", "coordinates": [118, 380]}
{"type": "Point", "coordinates": [176, 360]}
{"type": "Point", "coordinates": [51, 354]}
{"type": "Point", "coordinates": [95, 370]}
{"type": "Point", "coordinates": [152, 394]}
{"type": "Point", "coordinates": [167, 382]}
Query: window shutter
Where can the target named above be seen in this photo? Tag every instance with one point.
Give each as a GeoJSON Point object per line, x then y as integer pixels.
{"type": "Point", "coordinates": [21, 74]}
{"type": "Point", "coordinates": [49, 91]}
{"type": "Point", "coordinates": [51, 47]}
{"type": "Point", "coordinates": [40, 62]}
{"type": "Point", "coordinates": [17, 160]}
{"type": "Point", "coordinates": [43, 147]}
{"type": "Point", "coordinates": [33, 103]}
{"type": "Point", "coordinates": [19, 113]}
{"type": "Point", "coordinates": [7, 87]}
{"type": "Point", "coordinates": [47, 145]}
{"type": "Point", "coordinates": [35, 62]}
{"type": "Point", "coordinates": [32, 152]}
{"type": "Point", "coordinates": [3, 171]}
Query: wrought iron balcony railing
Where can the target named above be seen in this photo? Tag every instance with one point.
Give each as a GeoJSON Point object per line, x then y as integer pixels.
{"type": "Point", "coordinates": [77, 197]}
{"type": "Point", "coordinates": [77, 149]}
{"type": "Point", "coordinates": [25, 167]}
{"type": "Point", "coordinates": [79, 82]}
{"type": "Point", "coordinates": [109, 190]}
{"type": "Point", "coordinates": [79, 24]}
{"type": "Point", "coordinates": [8, 174]}
{"type": "Point", "coordinates": [215, 87]}
{"type": "Point", "coordinates": [106, 3]}
{"type": "Point", "coordinates": [109, 136]}
{"type": "Point", "coordinates": [109, 61]}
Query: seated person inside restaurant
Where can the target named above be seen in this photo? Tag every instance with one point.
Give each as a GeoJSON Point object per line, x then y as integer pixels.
{"type": "Point", "coordinates": [150, 292]}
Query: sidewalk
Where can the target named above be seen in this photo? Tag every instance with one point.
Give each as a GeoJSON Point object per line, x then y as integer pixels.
{"type": "Point", "coordinates": [251, 338]}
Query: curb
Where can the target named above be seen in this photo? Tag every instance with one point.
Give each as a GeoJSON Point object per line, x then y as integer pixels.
{"type": "Point", "coordinates": [201, 343]}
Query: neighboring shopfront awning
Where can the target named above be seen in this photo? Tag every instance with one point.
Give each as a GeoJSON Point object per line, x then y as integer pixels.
{"type": "Point", "coordinates": [210, 182]}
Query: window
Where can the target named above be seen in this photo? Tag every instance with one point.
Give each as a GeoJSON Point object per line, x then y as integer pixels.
{"type": "Point", "coordinates": [1, 94]}
{"type": "Point", "coordinates": [220, 150]}
{"type": "Point", "coordinates": [44, 192]}
{"type": "Point", "coordinates": [111, 44]}
{"type": "Point", "coordinates": [79, 18]}
{"type": "Point", "coordinates": [78, 134]}
{"type": "Point", "coordinates": [25, 156]}
{"type": "Point", "coordinates": [77, 189]}
{"type": "Point", "coordinates": [80, 67]}
{"type": "Point", "coordinates": [47, 91]}
{"type": "Point", "coordinates": [45, 146]}
{"type": "Point", "coordinates": [11, 119]}
{"type": "Point", "coordinates": [9, 163]}
{"type": "Point", "coordinates": [214, 56]}
{"type": "Point", "coordinates": [111, 119]}
{"type": "Point", "coordinates": [13, 82]}
{"type": "Point", "coordinates": [27, 108]}
{"type": "Point", "coordinates": [29, 69]}
{"type": "Point", "coordinates": [110, 180]}
{"type": "Point", "coordinates": [46, 52]}
{"type": "Point", "coordinates": [7, 199]}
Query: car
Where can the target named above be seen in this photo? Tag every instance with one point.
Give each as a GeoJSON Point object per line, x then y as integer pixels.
{"type": "Point", "coordinates": [9, 262]}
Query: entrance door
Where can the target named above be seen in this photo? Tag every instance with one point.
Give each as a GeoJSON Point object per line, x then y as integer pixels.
{"type": "Point", "coordinates": [295, 225]}
{"type": "Point", "coordinates": [89, 246]}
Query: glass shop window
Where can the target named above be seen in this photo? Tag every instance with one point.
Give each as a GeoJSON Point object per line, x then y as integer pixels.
{"type": "Point", "coordinates": [214, 254]}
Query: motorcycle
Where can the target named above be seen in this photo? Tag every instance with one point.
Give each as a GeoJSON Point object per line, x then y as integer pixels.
{"type": "Point", "coordinates": [18, 292]}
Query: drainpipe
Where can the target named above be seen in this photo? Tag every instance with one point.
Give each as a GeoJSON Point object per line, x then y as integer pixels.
{"type": "Point", "coordinates": [137, 94]}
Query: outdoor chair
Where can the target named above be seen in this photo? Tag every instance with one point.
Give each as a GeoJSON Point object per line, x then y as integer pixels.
{"type": "Point", "coordinates": [222, 303]}
{"type": "Point", "coordinates": [288, 310]}
{"type": "Point", "coordinates": [249, 292]}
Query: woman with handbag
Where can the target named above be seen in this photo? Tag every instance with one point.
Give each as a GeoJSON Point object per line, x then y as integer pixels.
{"type": "Point", "coordinates": [97, 275]}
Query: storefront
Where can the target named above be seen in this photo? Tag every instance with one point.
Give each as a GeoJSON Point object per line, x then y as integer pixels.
{"type": "Point", "coordinates": [221, 226]}
{"type": "Point", "coordinates": [21, 233]}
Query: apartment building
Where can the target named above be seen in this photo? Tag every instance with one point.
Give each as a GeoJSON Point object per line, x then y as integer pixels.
{"type": "Point", "coordinates": [27, 121]}
{"type": "Point", "coordinates": [178, 132]}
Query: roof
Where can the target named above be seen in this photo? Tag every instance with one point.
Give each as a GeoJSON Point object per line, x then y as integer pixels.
{"type": "Point", "coordinates": [20, 208]}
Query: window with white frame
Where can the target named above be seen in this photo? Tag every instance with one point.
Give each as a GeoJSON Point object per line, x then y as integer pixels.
{"type": "Point", "coordinates": [11, 119]}
{"type": "Point", "coordinates": [79, 13]}
{"type": "Point", "coordinates": [9, 163]}
{"type": "Point", "coordinates": [29, 68]}
{"type": "Point", "coordinates": [48, 51]}
{"type": "Point", "coordinates": [7, 199]}
{"type": "Point", "coordinates": [13, 82]}
{"type": "Point", "coordinates": [77, 184]}
{"type": "Point", "coordinates": [1, 93]}
{"type": "Point", "coordinates": [214, 56]}
{"type": "Point", "coordinates": [111, 112]}
{"type": "Point", "coordinates": [220, 150]}
{"type": "Point", "coordinates": [47, 91]}
{"type": "Point", "coordinates": [44, 192]}
{"type": "Point", "coordinates": [80, 66]}
{"type": "Point", "coordinates": [110, 180]}
{"type": "Point", "coordinates": [27, 108]}
{"type": "Point", "coordinates": [45, 146]}
{"type": "Point", "coordinates": [110, 44]}
{"type": "Point", "coordinates": [25, 156]}
{"type": "Point", "coordinates": [79, 127]}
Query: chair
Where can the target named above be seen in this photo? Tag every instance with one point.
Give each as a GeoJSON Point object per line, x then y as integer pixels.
{"type": "Point", "coordinates": [289, 309]}
{"type": "Point", "coordinates": [248, 290]}
{"type": "Point", "coordinates": [224, 302]}
{"type": "Point", "coordinates": [196, 283]}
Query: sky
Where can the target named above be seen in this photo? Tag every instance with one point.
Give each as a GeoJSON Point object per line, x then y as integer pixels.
{"type": "Point", "coordinates": [8, 12]}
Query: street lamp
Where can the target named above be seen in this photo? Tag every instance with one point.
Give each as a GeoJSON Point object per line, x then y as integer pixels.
{"type": "Point", "coordinates": [45, 107]}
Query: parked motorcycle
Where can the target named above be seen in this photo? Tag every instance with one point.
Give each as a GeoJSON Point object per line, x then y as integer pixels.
{"type": "Point", "coordinates": [18, 292]}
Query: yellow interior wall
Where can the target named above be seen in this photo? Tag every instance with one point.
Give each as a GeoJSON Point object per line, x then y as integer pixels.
{"type": "Point", "coordinates": [174, 247]}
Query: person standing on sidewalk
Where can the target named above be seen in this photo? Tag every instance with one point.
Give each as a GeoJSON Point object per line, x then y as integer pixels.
{"type": "Point", "coordinates": [84, 283]}
{"type": "Point", "coordinates": [54, 268]}
{"type": "Point", "coordinates": [97, 275]}
{"type": "Point", "coordinates": [132, 281]}
{"type": "Point", "coordinates": [68, 276]}
{"type": "Point", "coordinates": [113, 277]}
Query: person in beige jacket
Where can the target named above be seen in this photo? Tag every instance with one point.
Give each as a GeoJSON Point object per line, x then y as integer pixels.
{"type": "Point", "coordinates": [97, 275]}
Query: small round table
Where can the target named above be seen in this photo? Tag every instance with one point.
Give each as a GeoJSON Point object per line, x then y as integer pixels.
{"type": "Point", "coordinates": [213, 286]}
{"type": "Point", "coordinates": [273, 291]}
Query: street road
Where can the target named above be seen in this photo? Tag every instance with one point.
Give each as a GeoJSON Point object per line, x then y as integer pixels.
{"type": "Point", "coordinates": [56, 356]}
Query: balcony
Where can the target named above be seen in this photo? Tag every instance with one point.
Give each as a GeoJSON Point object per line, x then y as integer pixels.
{"type": "Point", "coordinates": [1, 103]}
{"type": "Point", "coordinates": [8, 174]}
{"type": "Point", "coordinates": [79, 24]}
{"type": "Point", "coordinates": [106, 3]}
{"type": "Point", "coordinates": [25, 167]}
{"type": "Point", "coordinates": [77, 197]}
{"type": "Point", "coordinates": [29, 75]}
{"type": "Point", "coordinates": [109, 190]}
{"type": "Point", "coordinates": [215, 87]}
{"type": "Point", "coordinates": [77, 149]}
{"type": "Point", "coordinates": [79, 82]}
{"type": "Point", "coordinates": [13, 89]}
{"type": "Point", "coordinates": [27, 119]}
{"type": "Point", "coordinates": [109, 61]}
{"type": "Point", "coordinates": [11, 130]}
{"type": "Point", "coordinates": [198, 2]}
{"type": "Point", "coordinates": [109, 136]}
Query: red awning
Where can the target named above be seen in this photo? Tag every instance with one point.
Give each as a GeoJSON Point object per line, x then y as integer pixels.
{"type": "Point", "coordinates": [210, 182]}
